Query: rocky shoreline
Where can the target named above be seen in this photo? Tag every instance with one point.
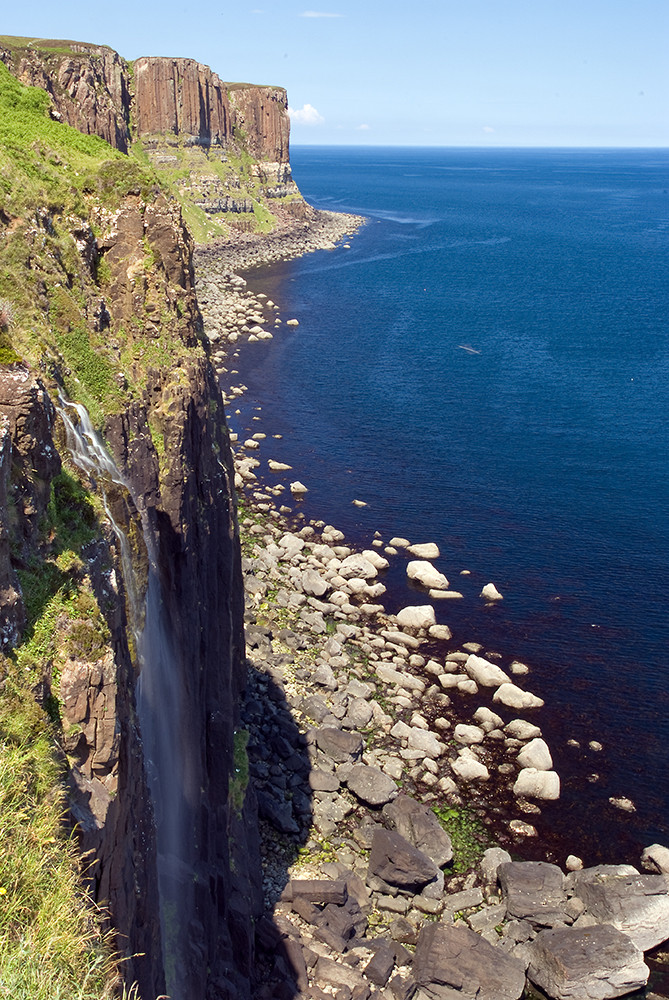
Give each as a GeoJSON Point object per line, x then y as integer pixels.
{"type": "Point", "coordinates": [387, 760]}
{"type": "Point", "coordinates": [293, 237]}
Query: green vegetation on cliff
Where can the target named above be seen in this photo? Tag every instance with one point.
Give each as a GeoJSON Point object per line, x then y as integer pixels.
{"type": "Point", "coordinates": [51, 939]}
{"type": "Point", "coordinates": [51, 945]}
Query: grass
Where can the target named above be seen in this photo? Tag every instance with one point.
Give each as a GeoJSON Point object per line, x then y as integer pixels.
{"type": "Point", "coordinates": [51, 947]}
{"type": "Point", "coordinates": [469, 837]}
{"type": "Point", "coordinates": [239, 780]}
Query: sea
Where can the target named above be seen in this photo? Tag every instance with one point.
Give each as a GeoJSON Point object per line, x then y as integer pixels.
{"type": "Point", "coordinates": [485, 365]}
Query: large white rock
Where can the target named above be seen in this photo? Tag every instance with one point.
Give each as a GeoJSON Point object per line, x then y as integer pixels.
{"type": "Point", "coordinates": [536, 754]}
{"type": "Point", "coordinates": [313, 583]}
{"type": "Point", "coordinates": [534, 784]}
{"type": "Point", "coordinates": [468, 734]}
{"type": "Point", "coordinates": [376, 560]}
{"type": "Point", "coordinates": [290, 545]}
{"type": "Point", "coordinates": [656, 859]}
{"type": "Point", "coordinates": [425, 573]}
{"type": "Point", "coordinates": [428, 550]}
{"type": "Point", "coordinates": [491, 593]}
{"type": "Point", "coordinates": [487, 719]}
{"type": "Point", "coordinates": [470, 769]}
{"type": "Point", "coordinates": [297, 488]}
{"type": "Point", "coordinates": [405, 680]}
{"type": "Point", "coordinates": [515, 697]}
{"type": "Point", "coordinates": [357, 565]}
{"type": "Point", "coordinates": [416, 617]}
{"type": "Point", "coordinates": [419, 739]}
{"type": "Point", "coordinates": [484, 672]}
{"type": "Point", "coordinates": [519, 729]}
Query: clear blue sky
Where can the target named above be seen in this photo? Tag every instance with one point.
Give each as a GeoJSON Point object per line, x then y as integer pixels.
{"type": "Point", "coordinates": [393, 72]}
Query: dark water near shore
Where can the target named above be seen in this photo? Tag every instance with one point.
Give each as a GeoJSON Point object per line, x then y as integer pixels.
{"type": "Point", "coordinates": [539, 463]}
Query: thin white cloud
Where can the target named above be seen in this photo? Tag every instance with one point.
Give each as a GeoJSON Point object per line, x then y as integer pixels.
{"type": "Point", "coordinates": [488, 128]}
{"type": "Point", "coordinates": [306, 115]}
{"type": "Point", "coordinates": [363, 128]}
{"type": "Point", "coordinates": [318, 13]}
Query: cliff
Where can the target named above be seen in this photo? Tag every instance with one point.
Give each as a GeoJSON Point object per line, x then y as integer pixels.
{"type": "Point", "coordinates": [120, 582]}
{"type": "Point", "coordinates": [223, 146]}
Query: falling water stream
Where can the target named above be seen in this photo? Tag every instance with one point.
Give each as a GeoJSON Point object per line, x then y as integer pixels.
{"type": "Point", "coordinates": [159, 707]}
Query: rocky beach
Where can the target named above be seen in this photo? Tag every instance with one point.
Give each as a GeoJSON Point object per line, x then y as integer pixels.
{"type": "Point", "coordinates": [401, 773]}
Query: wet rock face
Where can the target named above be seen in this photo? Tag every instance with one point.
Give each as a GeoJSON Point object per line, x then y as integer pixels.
{"type": "Point", "coordinates": [185, 98]}
{"type": "Point", "coordinates": [89, 86]}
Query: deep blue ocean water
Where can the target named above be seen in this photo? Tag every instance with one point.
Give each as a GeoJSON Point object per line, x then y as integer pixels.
{"type": "Point", "coordinates": [539, 463]}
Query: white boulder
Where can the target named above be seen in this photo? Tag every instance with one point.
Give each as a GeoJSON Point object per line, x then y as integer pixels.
{"type": "Point", "coordinates": [468, 734]}
{"type": "Point", "coordinates": [416, 617]}
{"type": "Point", "coordinates": [656, 859]}
{"type": "Point", "coordinates": [491, 593]}
{"type": "Point", "coordinates": [484, 672]}
{"type": "Point", "coordinates": [428, 550]}
{"type": "Point", "coordinates": [534, 784]}
{"type": "Point", "coordinates": [423, 572]}
{"type": "Point", "coordinates": [357, 565]}
{"type": "Point", "coordinates": [470, 769]}
{"type": "Point", "coordinates": [536, 754]}
{"type": "Point", "coordinates": [515, 697]}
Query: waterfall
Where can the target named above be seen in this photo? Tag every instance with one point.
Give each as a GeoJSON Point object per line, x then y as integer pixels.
{"type": "Point", "coordinates": [160, 704]}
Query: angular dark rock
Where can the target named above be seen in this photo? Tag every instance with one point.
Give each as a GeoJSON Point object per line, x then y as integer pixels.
{"type": "Point", "coordinates": [397, 862]}
{"type": "Point", "coordinates": [402, 930]}
{"type": "Point", "coordinates": [380, 966]}
{"type": "Point", "coordinates": [279, 814]}
{"type": "Point", "coordinates": [593, 962]}
{"type": "Point", "coordinates": [454, 962]}
{"type": "Point", "coordinates": [371, 785]}
{"type": "Point", "coordinates": [534, 891]}
{"type": "Point", "coordinates": [336, 974]}
{"type": "Point", "coordinates": [341, 747]}
{"type": "Point", "coordinates": [306, 910]}
{"type": "Point", "coordinates": [319, 890]}
{"type": "Point", "coordinates": [343, 920]}
{"type": "Point", "coordinates": [419, 825]}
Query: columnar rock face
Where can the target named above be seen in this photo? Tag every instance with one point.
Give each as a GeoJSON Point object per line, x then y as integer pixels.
{"type": "Point", "coordinates": [88, 84]}
{"type": "Point", "coordinates": [185, 98]}
{"type": "Point", "coordinates": [262, 113]}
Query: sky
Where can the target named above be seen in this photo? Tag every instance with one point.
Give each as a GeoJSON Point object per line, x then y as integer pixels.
{"type": "Point", "coordinates": [421, 73]}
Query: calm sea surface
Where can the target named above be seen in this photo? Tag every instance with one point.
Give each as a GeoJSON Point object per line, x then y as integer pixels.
{"type": "Point", "coordinates": [539, 463]}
